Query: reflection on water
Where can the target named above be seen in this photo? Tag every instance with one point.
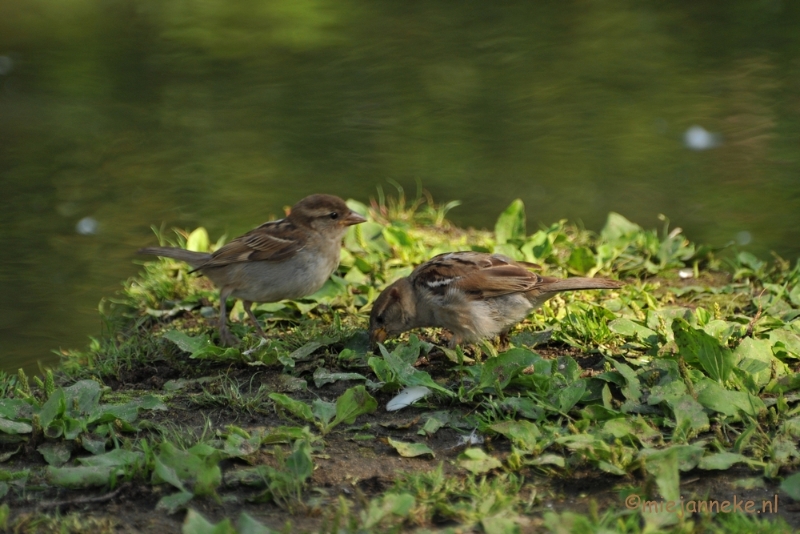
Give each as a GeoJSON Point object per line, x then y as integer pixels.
{"type": "Point", "coordinates": [117, 116]}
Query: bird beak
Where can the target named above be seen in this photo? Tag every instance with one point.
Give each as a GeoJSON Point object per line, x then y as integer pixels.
{"type": "Point", "coordinates": [353, 218]}
{"type": "Point", "coordinates": [377, 336]}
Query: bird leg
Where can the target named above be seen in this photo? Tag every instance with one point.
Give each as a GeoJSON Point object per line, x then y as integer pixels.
{"type": "Point", "coordinates": [259, 331]}
{"type": "Point", "coordinates": [225, 335]}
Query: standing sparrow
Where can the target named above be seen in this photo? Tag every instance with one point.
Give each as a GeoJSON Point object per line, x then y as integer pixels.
{"type": "Point", "coordinates": [284, 259]}
{"type": "Point", "coordinates": [473, 294]}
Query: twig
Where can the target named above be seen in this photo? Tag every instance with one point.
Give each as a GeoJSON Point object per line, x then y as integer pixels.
{"type": "Point", "coordinates": [83, 500]}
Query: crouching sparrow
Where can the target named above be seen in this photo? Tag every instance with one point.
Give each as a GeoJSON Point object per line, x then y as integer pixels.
{"type": "Point", "coordinates": [284, 259]}
{"type": "Point", "coordinates": [472, 294]}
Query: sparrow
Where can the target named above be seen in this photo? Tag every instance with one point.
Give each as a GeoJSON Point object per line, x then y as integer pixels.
{"type": "Point", "coordinates": [284, 259]}
{"type": "Point", "coordinates": [474, 295]}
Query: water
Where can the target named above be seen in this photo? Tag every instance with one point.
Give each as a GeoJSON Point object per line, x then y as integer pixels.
{"type": "Point", "coordinates": [115, 116]}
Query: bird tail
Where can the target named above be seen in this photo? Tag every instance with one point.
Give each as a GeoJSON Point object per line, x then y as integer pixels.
{"type": "Point", "coordinates": [555, 285]}
{"type": "Point", "coordinates": [195, 259]}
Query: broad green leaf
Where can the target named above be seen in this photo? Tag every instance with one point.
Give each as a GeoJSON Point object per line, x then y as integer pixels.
{"type": "Point", "coordinates": [629, 328]}
{"type": "Point", "coordinates": [409, 450]}
{"type": "Point", "coordinates": [721, 460]}
{"type": "Point", "coordinates": [396, 504]}
{"type": "Point", "coordinates": [324, 411]}
{"type": "Point", "coordinates": [398, 238]}
{"type": "Point", "coordinates": [523, 433]}
{"type": "Point", "coordinates": [352, 403]}
{"type": "Point", "coordinates": [511, 223]}
{"type": "Point", "coordinates": [581, 260]}
{"type": "Point", "coordinates": [248, 525]}
{"type": "Point", "coordinates": [15, 409]}
{"type": "Point", "coordinates": [697, 346]}
{"type": "Point", "coordinates": [13, 427]}
{"type": "Point", "coordinates": [618, 228]}
{"type": "Point", "coordinates": [173, 503]}
{"type": "Point", "coordinates": [791, 486]}
{"type": "Point", "coordinates": [297, 408]}
{"type": "Point", "coordinates": [192, 345]}
{"type": "Point", "coordinates": [82, 397]}
{"type": "Point", "coordinates": [632, 390]}
{"type": "Point", "coordinates": [398, 363]}
{"type": "Point", "coordinates": [752, 352]}
{"type": "Point", "coordinates": [570, 395]}
{"type": "Point", "coordinates": [299, 463]}
{"type": "Point", "coordinates": [785, 344]}
{"type": "Point", "coordinates": [166, 473]}
{"type": "Point", "coordinates": [323, 376]}
{"type": "Point", "coordinates": [501, 370]}
{"type": "Point", "coordinates": [117, 457]}
{"type": "Point", "coordinates": [55, 453]}
{"type": "Point", "coordinates": [54, 407]}
{"type": "Point", "coordinates": [183, 467]}
{"type": "Point", "coordinates": [715, 397]}
{"type": "Point", "coordinates": [198, 240]}
{"type": "Point", "coordinates": [690, 418]}
{"type": "Point", "coordinates": [477, 462]}
{"type": "Point", "coordinates": [81, 477]}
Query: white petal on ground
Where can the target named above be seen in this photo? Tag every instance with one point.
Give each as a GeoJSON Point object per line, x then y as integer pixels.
{"type": "Point", "coordinates": [407, 397]}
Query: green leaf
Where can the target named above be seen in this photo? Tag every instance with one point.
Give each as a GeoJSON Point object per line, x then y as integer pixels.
{"type": "Point", "coordinates": [323, 376]}
{"type": "Point", "coordinates": [352, 403]}
{"type": "Point", "coordinates": [189, 344]}
{"type": "Point", "coordinates": [785, 344]}
{"type": "Point", "coordinates": [721, 460]}
{"type": "Point", "coordinates": [499, 371]}
{"type": "Point", "coordinates": [399, 363]}
{"type": "Point", "coordinates": [397, 504]}
{"type": "Point", "coordinates": [55, 406]}
{"type": "Point", "coordinates": [689, 417]}
{"type": "Point", "coordinates": [791, 486]}
{"type": "Point", "coordinates": [56, 453]}
{"type": "Point", "coordinates": [632, 391]}
{"type": "Point", "coordinates": [523, 433]}
{"type": "Point", "coordinates": [13, 427]}
{"type": "Point", "coordinates": [628, 328]}
{"type": "Point", "coordinates": [477, 462]}
{"type": "Point", "coordinates": [410, 450]}
{"type": "Point", "coordinates": [299, 463]}
{"type": "Point", "coordinates": [248, 525]}
{"type": "Point", "coordinates": [754, 356]}
{"type": "Point", "coordinates": [511, 223]}
{"type": "Point", "coordinates": [297, 408]}
{"type": "Point", "coordinates": [197, 467]}
{"type": "Point", "coordinates": [81, 477]}
{"type": "Point", "coordinates": [697, 346]}
{"type": "Point", "coordinates": [581, 260]}
{"type": "Point", "coordinates": [177, 501]}
{"type": "Point", "coordinates": [15, 409]}
{"type": "Point", "coordinates": [570, 395]}
{"type": "Point", "coordinates": [198, 240]}
{"type": "Point", "coordinates": [618, 228]}
{"type": "Point", "coordinates": [324, 411]}
{"type": "Point", "coordinates": [82, 397]}
{"type": "Point", "coordinates": [115, 458]}
{"type": "Point", "coordinates": [715, 397]}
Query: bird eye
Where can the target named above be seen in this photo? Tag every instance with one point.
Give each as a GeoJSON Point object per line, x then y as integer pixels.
{"type": "Point", "coordinates": [379, 319]}
{"type": "Point", "coordinates": [334, 215]}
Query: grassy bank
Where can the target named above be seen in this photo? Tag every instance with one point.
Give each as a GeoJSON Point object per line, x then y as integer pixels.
{"type": "Point", "coordinates": [604, 407]}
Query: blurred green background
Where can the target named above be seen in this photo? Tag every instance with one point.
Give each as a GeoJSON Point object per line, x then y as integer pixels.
{"type": "Point", "coordinates": [119, 114]}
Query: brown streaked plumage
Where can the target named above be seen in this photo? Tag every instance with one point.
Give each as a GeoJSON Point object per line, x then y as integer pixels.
{"type": "Point", "coordinates": [474, 295]}
{"type": "Point", "coordinates": [284, 259]}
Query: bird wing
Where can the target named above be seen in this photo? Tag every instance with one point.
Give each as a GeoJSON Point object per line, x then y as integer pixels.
{"type": "Point", "coordinates": [272, 241]}
{"type": "Point", "coordinates": [478, 275]}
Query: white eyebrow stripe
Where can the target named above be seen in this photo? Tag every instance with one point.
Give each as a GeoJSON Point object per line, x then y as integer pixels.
{"type": "Point", "coordinates": [442, 282]}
